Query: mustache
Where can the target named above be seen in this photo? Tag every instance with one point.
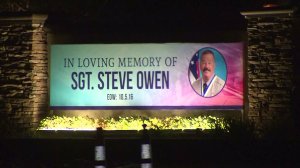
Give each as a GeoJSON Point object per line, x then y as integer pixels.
{"type": "Point", "coordinates": [206, 69]}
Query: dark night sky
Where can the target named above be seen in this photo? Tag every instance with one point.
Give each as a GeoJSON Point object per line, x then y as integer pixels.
{"type": "Point", "coordinates": [152, 20]}
{"type": "Point", "coordinates": [153, 15]}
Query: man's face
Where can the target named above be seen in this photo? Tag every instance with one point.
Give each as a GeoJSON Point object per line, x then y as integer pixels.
{"type": "Point", "coordinates": [207, 66]}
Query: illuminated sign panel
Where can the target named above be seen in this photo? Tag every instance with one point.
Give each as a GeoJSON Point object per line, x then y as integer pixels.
{"type": "Point", "coordinates": [147, 76]}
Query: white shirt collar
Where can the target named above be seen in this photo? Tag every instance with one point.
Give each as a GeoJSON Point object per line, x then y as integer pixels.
{"type": "Point", "coordinates": [210, 79]}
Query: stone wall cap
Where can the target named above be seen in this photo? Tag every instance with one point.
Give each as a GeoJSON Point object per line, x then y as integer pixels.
{"type": "Point", "coordinates": [287, 12]}
{"type": "Point", "coordinates": [34, 18]}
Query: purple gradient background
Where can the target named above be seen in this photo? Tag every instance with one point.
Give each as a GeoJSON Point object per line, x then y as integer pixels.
{"type": "Point", "coordinates": [232, 93]}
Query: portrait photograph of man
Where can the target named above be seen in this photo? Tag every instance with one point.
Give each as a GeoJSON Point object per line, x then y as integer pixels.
{"type": "Point", "coordinates": [208, 82]}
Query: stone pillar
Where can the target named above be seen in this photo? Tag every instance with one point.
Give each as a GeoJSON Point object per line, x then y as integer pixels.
{"type": "Point", "coordinates": [23, 69]}
{"type": "Point", "coordinates": [270, 65]}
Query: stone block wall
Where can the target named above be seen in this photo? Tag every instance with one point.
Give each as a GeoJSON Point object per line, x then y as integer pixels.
{"type": "Point", "coordinates": [23, 69]}
{"type": "Point", "coordinates": [269, 65]}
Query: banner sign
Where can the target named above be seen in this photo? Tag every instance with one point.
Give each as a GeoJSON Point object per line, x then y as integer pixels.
{"type": "Point", "coordinates": [147, 76]}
